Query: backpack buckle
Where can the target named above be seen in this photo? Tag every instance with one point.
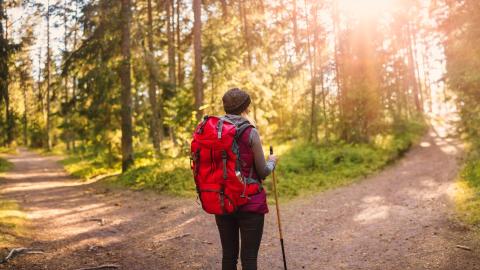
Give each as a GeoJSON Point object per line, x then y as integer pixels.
{"type": "Point", "coordinates": [224, 159]}
{"type": "Point", "coordinates": [219, 128]}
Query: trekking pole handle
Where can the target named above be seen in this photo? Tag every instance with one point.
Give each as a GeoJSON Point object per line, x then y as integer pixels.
{"type": "Point", "coordinates": [271, 150]}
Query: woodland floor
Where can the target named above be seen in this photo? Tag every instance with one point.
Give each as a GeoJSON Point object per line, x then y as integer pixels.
{"type": "Point", "coordinates": [401, 218]}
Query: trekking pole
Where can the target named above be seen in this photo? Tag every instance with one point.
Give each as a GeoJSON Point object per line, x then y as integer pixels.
{"type": "Point", "coordinates": [278, 214]}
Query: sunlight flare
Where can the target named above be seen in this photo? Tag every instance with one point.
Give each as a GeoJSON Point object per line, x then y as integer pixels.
{"type": "Point", "coordinates": [366, 8]}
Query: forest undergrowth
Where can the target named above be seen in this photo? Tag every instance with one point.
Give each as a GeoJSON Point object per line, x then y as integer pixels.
{"type": "Point", "coordinates": [12, 219]}
{"type": "Point", "coordinates": [303, 167]}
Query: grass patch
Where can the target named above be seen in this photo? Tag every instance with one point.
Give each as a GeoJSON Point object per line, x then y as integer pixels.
{"type": "Point", "coordinates": [468, 195]}
{"type": "Point", "coordinates": [303, 168]}
{"type": "Point", "coordinates": [168, 175]}
{"type": "Point", "coordinates": [8, 150]}
{"type": "Point", "coordinates": [12, 222]}
{"type": "Point", "coordinates": [58, 150]}
{"type": "Point", "coordinates": [87, 166]}
{"type": "Point", "coordinates": [4, 165]}
{"type": "Point", "coordinates": [307, 168]}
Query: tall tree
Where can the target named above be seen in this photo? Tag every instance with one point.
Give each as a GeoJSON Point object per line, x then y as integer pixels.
{"type": "Point", "coordinates": [66, 110]}
{"type": "Point", "coordinates": [48, 140]}
{"type": "Point", "coordinates": [412, 69]}
{"type": "Point", "coordinates": [197, 50]}
{"type": "Point", "coordinates": [4, 73]}
{"type": "Point", "coordinates": [337, 54]}
{"type": "Point", "coordinates": [180, 69]}
{"type": "Point", "coordinates": [171, 44]}
{"type": "Point", "coordinates": [311, 27]}
{"type": "Point", "coordinates": [126, 93]}
{"type": "Point", "coordinates": [152, 85]}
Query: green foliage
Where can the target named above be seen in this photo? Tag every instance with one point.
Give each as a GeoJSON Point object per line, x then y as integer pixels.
{"type": "Point", "coordinates": [169, 175]}
{"type": "Point", "coordinates": [11, 218]}
{"type": "Point", "coordinates": [303, 168]}
{"type": "Point", "coordinates": [468, 196]}
{"type": "Point", "coordinates": [307, 168]}
{"type": "Point", "coordinates": [90, 165]}
{"type": "Point", "coordinates": [4, 165]}
{"type": "Point", "coordinates": [462, 27]}
{"type": "Point", "coordinates": [8, 150]}
{"type": "Point", "coordinates": [12, 222]}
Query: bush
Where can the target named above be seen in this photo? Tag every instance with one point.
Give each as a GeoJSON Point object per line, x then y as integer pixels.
{"type": "Point", "coordinates": [12, 222]}
{"type": "Point", "coordinates": [468, 197]}
{"type": "Point", "coordinates": [168, 175]}
{"type": "Point", "coordinates": [11, 218]}
{"type": "Point", "coordinates": [303, 168]}
{"type": "Point", "coordinates": [4, 165]}
{"type": "Point", "coordinates": [87, 166]}
{"type": "Point", "coordinates": [307, 168]}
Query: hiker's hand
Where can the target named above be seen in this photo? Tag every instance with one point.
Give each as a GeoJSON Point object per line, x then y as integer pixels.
{"type": "Point", "coordinates": [273, 158]}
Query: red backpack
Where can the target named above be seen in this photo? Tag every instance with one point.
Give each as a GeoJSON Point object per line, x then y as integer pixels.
{"type": "Point", "coordinates": [216, 165]}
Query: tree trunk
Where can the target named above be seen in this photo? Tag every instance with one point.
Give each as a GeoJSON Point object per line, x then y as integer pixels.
{"type": "Point", "coordinates": [247, 38]}
{"type": "Point", "coordinates": [324, 108]}
{"type": "Point", "coordinates": [336, 33]}
{"type": "Point", "coordinates": [152, 86]}
{"type": "Point", "coordinates": [295, 27]}
{"type": "Point", "coordinates": [197, 49]}
{"type": "Point", "coordinates": [67, 108]}
{"type": "Point", "coordinates": [74, 77]}
{"type": "Point", "coordinates": [25, 113]}
{"type": "Point", "coordinates": [246, 31]}
{"type": "Point", "coordinates": [171, 45]}
{"type": "Point", "coordinates": [3, 62]}
{"type": "Point", "coordinates": [47, 128]}
{"type": "Point", "coordinates": [39, 86]}
{"type": "Point", "coordinates": [4, 74]}
{"type": "Point", "coordinates": [411, 68]}
{"type": "Point", "coordinates": [417, 66]}
{"type": "Point", "coordinates": [312, 136]}
{"type": "Point", "coordinates": [180, 71]}
{"type": "Point", "coordinates": [224, 9]}
{"type": "Point", "coordinates": [172, 80]}
{"type": "Point", "coordinates": [426, 74]}
{"type": "Point", "coordinates": [126, 95]}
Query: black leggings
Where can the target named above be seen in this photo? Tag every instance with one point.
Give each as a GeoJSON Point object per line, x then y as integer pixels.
{"type": "Point", "coordinates": [250, 226]}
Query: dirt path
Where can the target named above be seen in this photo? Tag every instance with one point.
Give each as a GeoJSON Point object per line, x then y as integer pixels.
{"type": "Point", "coordinates": [401, 218]}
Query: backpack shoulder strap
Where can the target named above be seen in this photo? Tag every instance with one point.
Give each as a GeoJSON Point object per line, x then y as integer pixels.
{"type": "Point", "coordinates": [242, 127]}
{"type": "Point", "coordinates": [202, 124]}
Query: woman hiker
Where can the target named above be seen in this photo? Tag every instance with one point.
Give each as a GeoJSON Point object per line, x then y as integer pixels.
{"type": "Point", "coordinates": [249, 219]}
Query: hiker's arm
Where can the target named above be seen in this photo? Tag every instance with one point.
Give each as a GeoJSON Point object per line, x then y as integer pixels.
{"type": "Point", "coordinates": [264, 168]}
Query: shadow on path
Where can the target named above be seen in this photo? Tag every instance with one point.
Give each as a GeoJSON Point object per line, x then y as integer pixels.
{"type": "Point", "coordinates": [401, 218]}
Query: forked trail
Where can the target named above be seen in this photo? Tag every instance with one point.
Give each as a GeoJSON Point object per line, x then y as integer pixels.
{"type": "Point", "coordinates": [401, 218]}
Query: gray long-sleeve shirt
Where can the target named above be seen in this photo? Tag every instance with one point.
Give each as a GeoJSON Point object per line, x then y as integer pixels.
{"type": "Point", "coordinates": [263, 168]}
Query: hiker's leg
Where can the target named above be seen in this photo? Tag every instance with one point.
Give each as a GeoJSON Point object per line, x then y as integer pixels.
{"type": "Point", "coordinates": [251, 230]}
{"type": "Point", "coordinates": [228, 228]}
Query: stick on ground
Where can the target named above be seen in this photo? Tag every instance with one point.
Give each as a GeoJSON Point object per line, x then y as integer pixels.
{"type": "Point", "coordinates": [21, 250]}
{"type": "Point", "coordinates": [104, 266]}
{"type": "Point", "coordinates": [101, 220]}
{"type": "Point", "coordinates": [464, 247]}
